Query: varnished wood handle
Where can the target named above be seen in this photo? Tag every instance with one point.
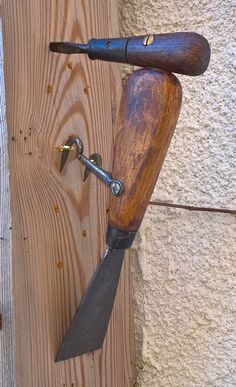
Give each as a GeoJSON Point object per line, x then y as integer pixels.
{"type": "Point", "coordinates": [180, 52]}
{"type": "Point", "coordinates": [147, 117]}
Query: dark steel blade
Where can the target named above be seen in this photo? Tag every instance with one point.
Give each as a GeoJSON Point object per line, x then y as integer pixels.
{"type": "Point", "coordinates": [89, 324]}
{"type": "Point", "coordinates": [68, 48]}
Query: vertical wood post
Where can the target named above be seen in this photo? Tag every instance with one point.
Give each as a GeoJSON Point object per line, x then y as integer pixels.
{"type": "Point", "coordinates": [59, 222]}
{"type": "Point", "coordinates": [7, 352]}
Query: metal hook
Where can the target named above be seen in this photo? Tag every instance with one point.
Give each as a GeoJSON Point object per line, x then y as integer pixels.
{"type": "Point", "coordinates": [67, 147]}
{"type": "Point", "coordinates": [97, 160]}
{"type": "Point", "coordinates": [93, 164]}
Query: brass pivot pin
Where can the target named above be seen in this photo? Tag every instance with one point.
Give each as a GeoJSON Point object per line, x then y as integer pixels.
{"type": "Point", "coordinates": [93, 164]}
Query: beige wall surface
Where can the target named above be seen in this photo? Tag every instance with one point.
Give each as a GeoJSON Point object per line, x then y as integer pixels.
{"type": "Point", "coordinates": [184, 263]}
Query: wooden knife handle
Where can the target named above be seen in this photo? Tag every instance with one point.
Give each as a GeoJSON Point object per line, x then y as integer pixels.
{"type": "Point", "coordinates": [180, 52]}
{"type": "Point", "coordinates": [147, 117]}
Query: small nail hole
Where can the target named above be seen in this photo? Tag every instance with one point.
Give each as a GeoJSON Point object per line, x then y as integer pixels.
{"type": "Point", "coordinates": [49, 89]}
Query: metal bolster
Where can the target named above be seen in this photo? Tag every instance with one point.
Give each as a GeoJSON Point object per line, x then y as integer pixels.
{"type": "Point", "coordinates": [108, 49]}
{"type": "Point", "coordinates": [119, 239]}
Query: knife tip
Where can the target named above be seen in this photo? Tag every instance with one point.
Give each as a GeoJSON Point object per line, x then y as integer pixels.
{"type": "Point", "coordinates": [62, 355]}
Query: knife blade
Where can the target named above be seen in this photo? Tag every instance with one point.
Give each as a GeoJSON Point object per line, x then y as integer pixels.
{"type": "Point", "coordinates": [89, 325]}
{"type": "Point", "coordinates": [147, 117]}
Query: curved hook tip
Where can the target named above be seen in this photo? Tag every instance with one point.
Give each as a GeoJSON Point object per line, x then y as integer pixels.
{"type": "Point", "coordinates": [68, 147]}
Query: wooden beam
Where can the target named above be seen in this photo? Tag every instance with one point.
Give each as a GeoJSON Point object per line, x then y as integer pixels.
{"type": "Point", "coordinates": [7, 352]}
{"type": "Point", "coordinates": [59, 222]}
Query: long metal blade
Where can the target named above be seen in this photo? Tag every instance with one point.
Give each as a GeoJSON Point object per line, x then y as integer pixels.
{"type": "Point", "coordinates": [89, 324]}
{"type": "Point", "coordinates": [68, 48]}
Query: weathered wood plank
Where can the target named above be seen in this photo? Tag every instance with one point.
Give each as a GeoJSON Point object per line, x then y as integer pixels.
{"type": "Point", "coordinates": [59, 222]}
{"type": "Point", "coordinates": [7, 354]}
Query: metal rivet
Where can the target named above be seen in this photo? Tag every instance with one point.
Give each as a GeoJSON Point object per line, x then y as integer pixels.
{"type": "Point", "coordinates": [116, 188]}
{"type": "Point", "coordinates": [148, 40]}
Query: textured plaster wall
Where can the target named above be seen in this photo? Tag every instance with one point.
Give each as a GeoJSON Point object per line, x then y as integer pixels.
{"type": "Point", "coordinates": [184, 263]}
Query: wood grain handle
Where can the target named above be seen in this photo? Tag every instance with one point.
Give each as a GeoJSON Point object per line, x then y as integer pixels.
{"type": "Point", "coordinates": [147, 117]}
{"type": "Point", "coordinates": [180, 52]}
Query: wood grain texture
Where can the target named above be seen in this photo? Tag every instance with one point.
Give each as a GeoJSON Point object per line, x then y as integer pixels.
{"type": "Point", "coordinates": [181, 52]}
{"type": "Point", "coordinates": [59, 223]}
{"type": "Point", "coordinates": [147, 118]}
{"type": "Point", "coordinates": [7, 353]}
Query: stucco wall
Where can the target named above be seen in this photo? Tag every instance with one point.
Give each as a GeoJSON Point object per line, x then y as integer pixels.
{"type": "Point", "coordinates": [183, 263]}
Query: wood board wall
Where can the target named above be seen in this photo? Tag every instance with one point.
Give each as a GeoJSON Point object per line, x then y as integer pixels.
{"type": "Point", "coordinates": [59, 222]}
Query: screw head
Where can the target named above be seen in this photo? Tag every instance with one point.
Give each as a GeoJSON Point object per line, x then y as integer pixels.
{"type": "Point", "coordinates": [116, 187]}
{"type": "Point", "coordinates": [148, 40]}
